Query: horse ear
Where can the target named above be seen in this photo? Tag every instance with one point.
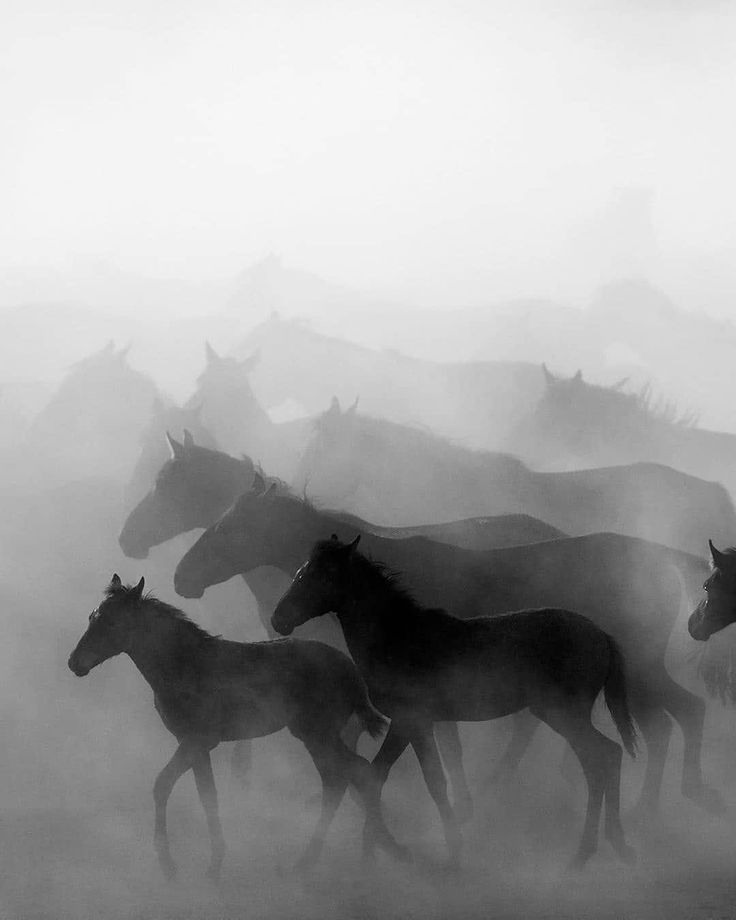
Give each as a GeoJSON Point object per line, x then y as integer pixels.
{"type": "Point", "coordinates": [177, 449]}
{"type": "Point", "coordinates": [271, 489]}
{"type": "Point", "coordinates": [211, 354]}
{"type": "Point", "coordinates": [354, 545]}
{"type": "Point", "coordinates": [123, 353]}
{"type": "Point", "coordinates": [719, 559]}
{"type": "Point", "coordinates": [578, 378]}
{"type": "Point", "coordinates": [354, 408]}
{"type": "Point", "coordinates": [137, 592]}
{"type": "Point", "coordinates": [115, 581]}
{"type": "Point", "coordinates": [549, 378]}
{"type": "Point", "coordinates": [334, 406]}
{"type": "Point", "coordinates": [188, 439]}
{"type": "Point", "coordinates": [259, 485]}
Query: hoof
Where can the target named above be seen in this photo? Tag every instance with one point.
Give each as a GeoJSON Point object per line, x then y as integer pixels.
{"type": "Point", "coordinates": [580, 861]}
{"type": "Point", "coordinates": [710, 800]}
{"type": "Point", "coordinates": [399, 851]}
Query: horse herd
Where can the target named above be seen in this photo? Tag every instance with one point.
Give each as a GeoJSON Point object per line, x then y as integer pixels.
{"type": "Point", "coordinates": [503, 614]}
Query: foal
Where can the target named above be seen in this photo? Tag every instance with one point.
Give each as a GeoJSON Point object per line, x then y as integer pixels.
{"type": "Point", "coordinates": [208, 689]}
{"type": "Point", "coordinates": [423, 666]}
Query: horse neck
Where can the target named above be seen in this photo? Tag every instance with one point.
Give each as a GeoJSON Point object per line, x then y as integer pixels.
{"type": "Point", "coordinates": [371, 613]}
{"type": "Point", "coordinates": [165, 651]}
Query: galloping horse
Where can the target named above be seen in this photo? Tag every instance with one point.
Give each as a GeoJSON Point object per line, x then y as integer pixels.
{"type": "Point", "coordinates": [423, 665]}
{"type": "Point", "coordinates": [209, 690]}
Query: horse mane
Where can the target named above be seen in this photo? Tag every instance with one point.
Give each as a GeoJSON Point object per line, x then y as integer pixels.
{"type": "Point", "coordinates": [378, 573]}
{"type": "Point", "coordinates": [165, 611]}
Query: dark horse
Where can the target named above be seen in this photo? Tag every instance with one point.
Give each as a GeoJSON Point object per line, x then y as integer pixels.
{"type": "Point", "coordinates": [423, 665]}
{"type": "Point", "coordinates": [208, 689]}
{"type": "Point", "coordinates": [630, 588]}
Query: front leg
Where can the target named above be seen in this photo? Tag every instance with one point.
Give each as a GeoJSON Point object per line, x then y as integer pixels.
{"type": "Point", "coordinates": [208, 797]}
{"type": "Point", "coordinates": [182, 761]}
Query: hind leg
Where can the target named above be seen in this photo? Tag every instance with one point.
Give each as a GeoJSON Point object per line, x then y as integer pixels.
{"type": "Point", "coordinates": [393, 746]}
{"type": "Point", "coordinates": [688, 710]}
{"type": "Point", "coordinates": [524, 725]}
{"type": "Point", "coordinates": [575, 726]}
{"type": "Point", "coordinates": [613, 828]}
{"type": "Point", "coordinates": [656, 728]}
{"type": "Point", "coordinates": [334, 784]}
{"type": "Point", "coordinates": [422, 740]}
{"type": "Point", "coordinates": [447, 737]}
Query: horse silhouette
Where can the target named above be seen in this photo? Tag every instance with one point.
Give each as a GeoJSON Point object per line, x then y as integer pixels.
{"type": "Point", "coordinates": [422, 665]}
{"type": "Point", "coordinates": [394, 474]}
{"type": "Point", "coordinates": [629, 587]}
{"type": "Point", "coordinates": [208, 690]}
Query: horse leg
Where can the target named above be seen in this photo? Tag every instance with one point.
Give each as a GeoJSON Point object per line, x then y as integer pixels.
{"type": "Point", "coordinates": [447, 737]}
{"type": "Point", "coordinates": [656, 728]}
{"type": "Point", "coordinates": [587, 742]}
{"type": "Point", "coordinates": [182, 761]}
{"type": "Point", "coordinates": [422, 740]}
{"type": "Point", "coordinates": [393, 746]}
{"type": "Point", "coordinates": [688, 710]}
{"type": "Point", "coordinates": [613, 828]}
{"type": "Point", "coordinates": [524, 725]}
{"type": "Point", "coordinates": [334, 784]}
{"type": "Point", "coordinates": [242, 763]}
{"type": "Point", "coordinates": [207, 790]}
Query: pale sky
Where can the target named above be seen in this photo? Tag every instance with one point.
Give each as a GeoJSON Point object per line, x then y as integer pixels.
{"type": "Point", "coordinates": [430, 150]}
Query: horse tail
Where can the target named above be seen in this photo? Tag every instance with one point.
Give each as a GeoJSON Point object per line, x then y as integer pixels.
{"type": "Point", "coordinates": [614, 691]}
{"type": "Point", "coordinates": [373, 721]}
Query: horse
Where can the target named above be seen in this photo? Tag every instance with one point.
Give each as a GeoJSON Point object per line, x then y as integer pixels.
{"type": "Point", "coordinates": [154, 450]}
{"type": "Point", "coordinates": [232, 412]}
{"type": "Point", "coordinates": [582, 424]}
{"type": "Point", "coordinates": [629, 587]}
{"type": "Point", "coordinates": [197, 485]}
{"type": "Point", "coordinates": [208, 690]}
{"type": "Point", "coordinates": [422, 665]}
{"type": "Point", "coordinates": [395, 474]}
{"type": "Point", "coordinates": [452, 398]}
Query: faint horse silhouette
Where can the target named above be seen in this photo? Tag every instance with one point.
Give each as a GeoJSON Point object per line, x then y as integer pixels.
{"type": "Point", "coordinates": [232, 412]}
{"type": "Point", "coordinates": [577, 423]}
{"type": "Point", "coordinates": [422, 665]}
{"type": "Point", "coordinates": [394, 474]}
{"type": "Point", "coordinates": [92, 424]}
{"type": "Point", "coordinates": [208, 690]}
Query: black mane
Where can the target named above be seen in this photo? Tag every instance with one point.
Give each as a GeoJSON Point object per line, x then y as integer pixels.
{"type": "Point", "coordinates": [162, 609]}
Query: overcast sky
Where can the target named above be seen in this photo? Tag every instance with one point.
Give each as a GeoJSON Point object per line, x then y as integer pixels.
{"type": "Point", "coordinates": [437, 150]}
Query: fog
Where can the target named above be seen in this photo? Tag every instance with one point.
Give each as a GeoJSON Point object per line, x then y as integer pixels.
{"type": "Point", "coordinates": [463, 269]}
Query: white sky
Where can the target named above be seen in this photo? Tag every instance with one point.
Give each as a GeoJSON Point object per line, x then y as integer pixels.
{"type": "Point", "coordinates": [427, 149]}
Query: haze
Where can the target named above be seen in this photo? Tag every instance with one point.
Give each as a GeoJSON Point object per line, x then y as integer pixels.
{"type": "Point", "coordinates": [434, 153]}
